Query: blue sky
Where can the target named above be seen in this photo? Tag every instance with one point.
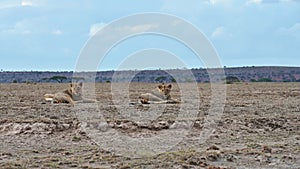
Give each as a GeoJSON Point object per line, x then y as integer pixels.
{"type": "Point", "coordinates": [49, 34]}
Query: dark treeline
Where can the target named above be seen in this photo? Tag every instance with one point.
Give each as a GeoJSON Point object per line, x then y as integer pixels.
{"type": "Point", "coordinates": [236, 74]}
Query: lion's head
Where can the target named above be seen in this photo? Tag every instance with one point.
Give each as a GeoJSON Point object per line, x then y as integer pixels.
{"type": "Point", "coordinates": [165, 89]}
{"type": "Point", "coordinates": [76, 89]}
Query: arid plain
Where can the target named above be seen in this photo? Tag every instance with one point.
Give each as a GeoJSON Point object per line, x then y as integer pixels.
{"type": "Point", "coordinates": [259, 128]}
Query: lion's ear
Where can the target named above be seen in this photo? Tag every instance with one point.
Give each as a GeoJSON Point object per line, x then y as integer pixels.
{"type": "Point", "coordinates": [170, 86]}
{"type": "Point", "coordinates": [80, 83]}
{"type": "Point", "coordinates": [71, 84]}
{"type": "Point", "coordinates": [160, 86]}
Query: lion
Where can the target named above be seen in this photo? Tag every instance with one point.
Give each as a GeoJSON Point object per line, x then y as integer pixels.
{"type": "Point", "coordinates": [160, 95]}
{"type": "Point", "coordinates": [71, 95]}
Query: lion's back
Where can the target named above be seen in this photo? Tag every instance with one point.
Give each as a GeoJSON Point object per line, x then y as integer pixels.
{"type": "Point", "coordinates": [61, 97]}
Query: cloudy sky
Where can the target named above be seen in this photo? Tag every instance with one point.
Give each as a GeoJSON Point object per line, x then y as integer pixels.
{"type": "Point", "coordinates": [50, 34]}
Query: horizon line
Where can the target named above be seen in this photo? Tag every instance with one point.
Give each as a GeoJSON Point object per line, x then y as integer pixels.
{"type": "Point", "coordinates": [108, 70]}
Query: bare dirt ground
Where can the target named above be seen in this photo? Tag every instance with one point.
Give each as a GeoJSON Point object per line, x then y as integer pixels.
{"type": "Point", "coordinates": [259, 128]}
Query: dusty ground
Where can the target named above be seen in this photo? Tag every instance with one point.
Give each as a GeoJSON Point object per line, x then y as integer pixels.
{"type": "Point", "coordinates": [260, 128]}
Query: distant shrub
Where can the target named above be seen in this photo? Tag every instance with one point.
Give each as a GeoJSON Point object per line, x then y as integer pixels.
{"type": "Point", "coordinates": [264, 80]}
{"type": "Point", "coordinates": [173, 80]}
{"type": "Point", "coordinates": [45, 79]}
{"type": "Point", "coordinates": [59, 79]}
{"type": "Point", "coordinates": [160, 79]}
{"type": "Point", "coordinates": [231, 79]}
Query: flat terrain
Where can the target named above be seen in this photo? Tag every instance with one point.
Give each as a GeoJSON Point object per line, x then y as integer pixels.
{"type": "Point", "coordinates": [259, 128]}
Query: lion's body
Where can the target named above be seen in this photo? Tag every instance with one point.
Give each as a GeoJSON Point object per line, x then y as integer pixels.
{"type": "Point", "coordinates": [71, 95]}
{"type": "Point", "coordinates": [160, 95]}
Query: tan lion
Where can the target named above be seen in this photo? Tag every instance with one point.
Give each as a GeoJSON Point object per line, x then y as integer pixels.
{"type": "Point", "coordinates": [160, 95]}
{"type": "Point", "coordinates": [70, 95]}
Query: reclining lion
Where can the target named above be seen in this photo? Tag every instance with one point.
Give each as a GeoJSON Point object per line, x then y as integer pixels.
{"type": "Point", "coordinates": [160, 95]}
{"type": "Point", "coordinates": [70, 95]}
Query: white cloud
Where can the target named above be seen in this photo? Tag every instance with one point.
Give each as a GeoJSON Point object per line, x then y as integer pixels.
{"type": "Point", "coordinates": [26, 26]}
{"type": "Point", "coordinates": [18, 28]}
{"type": "Point", "coordinates": [27, 3]}
{"type": "Point", "coordinates": [258, 2]}
{"type": "Point", "coordinates": [295, 28]}
{"type": "Point", "coordinates": [5, 4]}
{"type": "Point", "coordinates": [270, 1]}
{"type": "Point", "coordinates": [221, 33]}
{"type": "Point", "coordinates": [249, 2]}
{"type": "Point", "coordinates": [216, 2]}
{"type": "Point", "coordinates": [217, 32]}
{"type": "Point", "coordinates": [57, 32]}
{"type": "Point", "coordinates": [179, 7]}
{"type": "Point", "coordinates": [33, 3]}
{"type": "Point", "coordinates": [9, 4]}
{"type": "Point", "coordinates": [95, 28]}
{"type": "Point", "coordinates": [291, 31]}
{"type": "Point", "coordinates": [212, 2]}
{"type": "Point", "coordinates": [291, 0]}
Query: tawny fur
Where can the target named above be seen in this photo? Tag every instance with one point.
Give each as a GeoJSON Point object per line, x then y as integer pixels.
{"type": "Point", "coordinates": [70, 95]}
{"type": "Point", "coordinates": [160, 95]}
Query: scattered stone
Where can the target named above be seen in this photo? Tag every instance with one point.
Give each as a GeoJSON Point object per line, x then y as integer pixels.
{"type": "Point", "coordinates": [230, 158]}
{"type": "Point", "coordinates": [5, 155]}
{"type": "Point", "coordinates": [214, 167]}
{"type": "Point", "coordinates": [181, 125]}
{"type": "Point", "coordinates": [102, 126]}
{"type": "Point", "coordinates": [267, 149]}
{"type": "Point", "coordinates": [213, 147]}
{"type": "Point", "coordinates": [213, 155]}
{"type": "Point", "coordinates": [76, 138]}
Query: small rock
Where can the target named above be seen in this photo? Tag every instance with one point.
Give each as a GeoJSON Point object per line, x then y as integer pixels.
{"type": "Point", "coordinates": [66, 126]}
{"type": "Point", "coordinates": [194, 162]}
{"type": "Point", "coordinates": [181, 125]}
{"type": "Point", "coordinates": [231, 158]}
{"type": "Point", "coordinates": [213, 147]}
{"type": "Point", "coordinates": [102, 126]}
{"type": "Point", "coordinates": [203, 164]}
{"type": "Point", "coordinates": [266, 149]}
{"type": "Point", "coordinates": [213, 155]}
